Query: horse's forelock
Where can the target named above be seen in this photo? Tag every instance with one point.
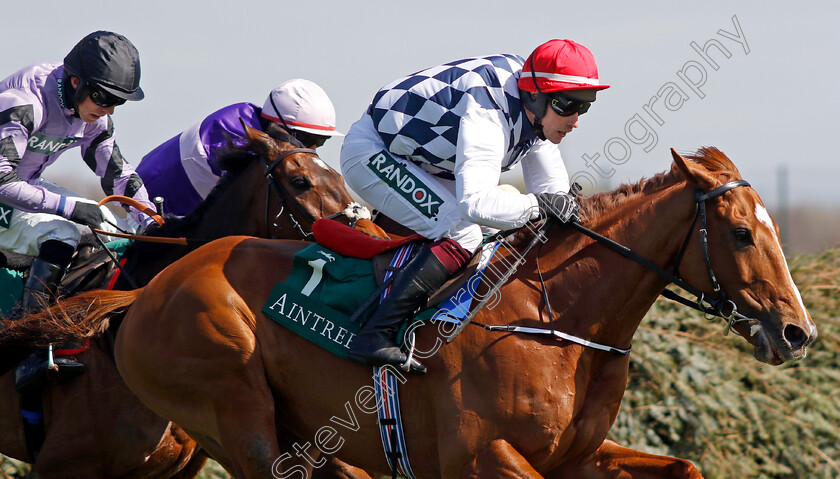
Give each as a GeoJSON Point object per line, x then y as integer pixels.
{"type": "Point", "coordinates": [278, 133]}
{"type": "Point", "coordinates": [715, 161]}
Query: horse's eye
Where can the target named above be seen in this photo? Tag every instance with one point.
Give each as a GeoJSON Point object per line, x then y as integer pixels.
{"type": "Point", "coordinates": [300, 182]}
{"type": "Point", "coordinates": [743, 236]}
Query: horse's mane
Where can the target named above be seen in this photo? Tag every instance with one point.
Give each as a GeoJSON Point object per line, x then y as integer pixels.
{"type": "Point", "coordinates": [233, 160]}
{"type": "Point", "coordinates": [713, 159]}
{"type": "Point", "coordinates": [177, 226]}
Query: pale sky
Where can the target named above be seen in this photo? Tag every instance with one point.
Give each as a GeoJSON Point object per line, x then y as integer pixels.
{"type": "Point", "coordinates": [769, 104]}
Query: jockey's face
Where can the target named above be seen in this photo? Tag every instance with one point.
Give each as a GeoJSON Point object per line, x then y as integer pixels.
{"type": "Point", "coordinates": [556, 127]}
{"type": "Point", "coordinates": [89, 111]}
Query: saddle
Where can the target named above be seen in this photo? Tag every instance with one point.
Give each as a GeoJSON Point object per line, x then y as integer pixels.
{"type": "Point", "coordinates": [90, 268]}
{"type": "Point", "coordinates": [15, 261]}
{"type": "Point", "coordinates": [330, 291]}
{"type": "Point", "coordinates": [351, 243]}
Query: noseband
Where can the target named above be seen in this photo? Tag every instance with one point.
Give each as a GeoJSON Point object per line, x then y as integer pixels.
{"type": "Point", "coordinates": [274, 186]}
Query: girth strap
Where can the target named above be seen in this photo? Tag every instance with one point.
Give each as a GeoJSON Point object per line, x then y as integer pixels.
{"type": "Point", "coordinates": [385, 384]}
{"type": "Point", "coordinates": [32, 411]}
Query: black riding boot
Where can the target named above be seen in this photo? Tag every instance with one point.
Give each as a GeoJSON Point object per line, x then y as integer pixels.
{"type": "Point", "coordinates": [45, 273]}
{"type": "Point", "coordinates": [376, 343]}
{"type": "Point", "coordinates": [41, 286]}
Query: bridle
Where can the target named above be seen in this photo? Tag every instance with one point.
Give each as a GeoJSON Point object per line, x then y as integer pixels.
{"type": "Point", "coordinates": [720, 307]}
{"type": "Point", "coordinates": [275, 187]}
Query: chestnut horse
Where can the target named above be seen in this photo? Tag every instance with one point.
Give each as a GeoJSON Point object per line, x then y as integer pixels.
{"type": "Point", "coordinates": [196, 348]}
{"type": "Point", "coordinates": [95, 426]}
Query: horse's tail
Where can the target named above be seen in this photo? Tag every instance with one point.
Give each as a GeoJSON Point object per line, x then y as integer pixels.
{"type": "Point", "coordinates": [79, 317]}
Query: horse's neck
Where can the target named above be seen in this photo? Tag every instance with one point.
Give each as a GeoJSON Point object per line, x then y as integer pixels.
{"type": "Point", "coordinates": [607, 294]}
{"type": "Point", "coordinates": [238, 210]}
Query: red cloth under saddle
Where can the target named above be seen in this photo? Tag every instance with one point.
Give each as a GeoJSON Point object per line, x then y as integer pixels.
{"type": "Point", "coordinates": [346, 241]}
{"type": "Point", "coordinates": [72, 350]}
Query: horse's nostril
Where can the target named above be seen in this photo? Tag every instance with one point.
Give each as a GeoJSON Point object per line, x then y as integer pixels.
{"type": "Point", "coordinates": [795, 336]}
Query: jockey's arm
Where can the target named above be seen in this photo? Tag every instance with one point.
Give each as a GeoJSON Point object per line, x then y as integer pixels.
{"type": "Point", "coordinates": [18, 121]}
{"type": "Point", "coordinates": [118, 177]}
{"type": "Point", "coordinates": [481, 148]}
{"type": "Point", "coordinates": [543, 169]}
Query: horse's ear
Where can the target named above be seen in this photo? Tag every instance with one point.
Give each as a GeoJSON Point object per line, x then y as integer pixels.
{"type": "Point", "coordinates": [259, 141]}
{"type": "Point", "coordinates": [695, 173]}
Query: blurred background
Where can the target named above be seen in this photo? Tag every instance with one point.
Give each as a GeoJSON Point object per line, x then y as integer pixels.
{"type": "Point", "coordinates": [752, 78]}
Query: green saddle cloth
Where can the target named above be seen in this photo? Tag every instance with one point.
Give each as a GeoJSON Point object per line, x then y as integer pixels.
{"type": "Point", "coordinates": [324, 289]}
{"type": "Point", "coordinates": [320, 294]}
{"type": "Point", "coordinates": [11, 287]}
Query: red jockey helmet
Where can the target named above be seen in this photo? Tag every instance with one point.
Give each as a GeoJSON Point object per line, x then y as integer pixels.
{"type": "Point", "coordinates": [559, 65]}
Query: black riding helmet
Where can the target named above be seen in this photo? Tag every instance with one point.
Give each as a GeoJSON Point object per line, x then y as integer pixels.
{"type": "Point", "coordinates": [108, 66]}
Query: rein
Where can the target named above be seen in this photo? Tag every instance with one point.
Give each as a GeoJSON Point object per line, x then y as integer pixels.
{"type": "Point", "coordinates": [128, 201]}
{"type": "Point", "coordinates": [717, 307]}
{"type": "Point", "coordinates": [148, 211]}
{"type": "Point", "coordinates": [153, 239]}
{"type": "Point", "coordinates": [273, 185]}
{"type": "Point", "coordinates": [509, 328]}
{"type": "Point", "coordinates": [276, 187]}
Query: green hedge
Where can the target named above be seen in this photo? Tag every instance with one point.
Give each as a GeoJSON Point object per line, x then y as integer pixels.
{"type": "Point", "coordinates": [696, 394]}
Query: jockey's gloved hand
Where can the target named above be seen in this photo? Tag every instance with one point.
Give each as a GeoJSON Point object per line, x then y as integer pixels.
{"type": "Point", "coordinates": [87, 214]}
{"type": "Point", "coordinates": [149, 230]}
{"type": "Point", "coordinates": [559, 205]}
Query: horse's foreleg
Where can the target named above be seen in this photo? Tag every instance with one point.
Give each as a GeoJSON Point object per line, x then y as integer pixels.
{"type": "Point", "coordinates": [500, 460]}
{"type": "Point", "coordinates": [302, 460]}
{"type": "Point", "coordinates": [246, 430]}
{"type": "Point", "coordinates": [612, 461]}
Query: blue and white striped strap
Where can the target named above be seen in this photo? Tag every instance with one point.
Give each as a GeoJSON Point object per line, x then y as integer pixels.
{"type": "Point", "coordinates": [390, 421]}
{"type": "Point", "coordinates": [385, 384]}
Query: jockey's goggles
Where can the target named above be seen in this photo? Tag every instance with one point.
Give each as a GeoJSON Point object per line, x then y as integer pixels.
{"type": "Point", "coordinates": [310, 140]}
{"type": "Point", "coordinates": [567, 107]}
{"type": "Point", "coordinates": [104, 99]}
